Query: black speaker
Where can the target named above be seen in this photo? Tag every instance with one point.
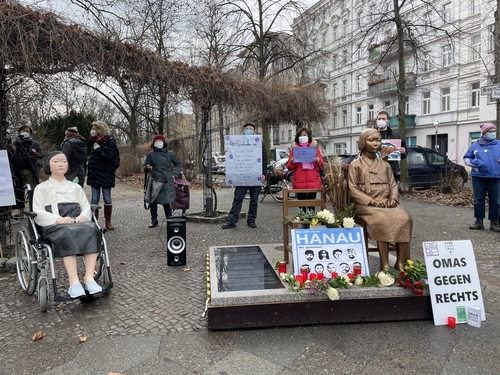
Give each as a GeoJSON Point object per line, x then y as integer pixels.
{"type": "Point", "coordinates": [176, 241]}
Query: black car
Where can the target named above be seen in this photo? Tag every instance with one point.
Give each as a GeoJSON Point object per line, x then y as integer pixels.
{"type": "Point", "coordinates": [427, 168]}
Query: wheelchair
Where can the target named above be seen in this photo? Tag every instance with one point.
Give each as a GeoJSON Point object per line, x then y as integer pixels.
{"type": "Point", "coordinates": [35, 262]}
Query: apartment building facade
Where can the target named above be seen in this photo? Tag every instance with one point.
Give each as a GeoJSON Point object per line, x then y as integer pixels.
{"type": "Point", "coordinates": [448, 52]}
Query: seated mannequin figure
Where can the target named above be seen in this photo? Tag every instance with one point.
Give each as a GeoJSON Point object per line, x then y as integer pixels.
{"type": "Point", "coordinates": [63, 211]}
{"type": "Point", "coordinates": [373, 188]}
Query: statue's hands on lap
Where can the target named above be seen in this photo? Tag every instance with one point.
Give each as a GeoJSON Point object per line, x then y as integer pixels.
{"type": "Point", "coordinates": [64, 220]}
{"type": "Point", "coordinates": [391, 203]}
{"type": "Point", "coordinates": [377, 203]}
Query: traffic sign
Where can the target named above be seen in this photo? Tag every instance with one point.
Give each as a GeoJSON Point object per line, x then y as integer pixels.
{"type": "Point", "coordinates": [486, 90]}
{"type": "Point", "coordinates": [495, 94]}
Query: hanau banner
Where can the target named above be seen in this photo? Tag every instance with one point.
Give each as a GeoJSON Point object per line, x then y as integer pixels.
{"type": "Point", "coordinates": [243, 160]}
{"type": "Point", "coordinates": [329, 250]}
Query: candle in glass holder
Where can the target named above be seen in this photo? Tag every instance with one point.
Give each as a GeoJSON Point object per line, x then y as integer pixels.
{"type": "Point", "coordinates": [357, 269]}
{"type": "Point", "coordinates": [300, 279]}
{"type": "Point", "coordinates": [320, 275]}
{"type": "Point", "coordinates": [304, 271]}
{"type": "Point", "coordinates": [281, 267]}
{"type": "Point", "coordinates": [452, 322]}
{"type": "Point", "coordinates": [312, 276]}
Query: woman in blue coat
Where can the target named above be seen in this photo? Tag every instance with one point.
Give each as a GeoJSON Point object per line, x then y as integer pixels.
{"type": "Point", "coordinates": [484, 158]}
{"type": "Point", "coordinates": [159, 164]}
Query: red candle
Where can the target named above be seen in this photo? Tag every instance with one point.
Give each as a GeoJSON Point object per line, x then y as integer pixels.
{"type": "Point", "coordinates": [334, 275]}
{"type": "Point", "coordinates": [281, 267]}
{"type": "Point", "coordinates": [312, 275]}
{"type": "Point", "coordinates": [300, 279]}
{"type": "Point", "coordinates": [304, 271]}
{"type": "Point", "coordinates": [452, 322]}
{"type": "Point", "coordinates": [320, 276]}
{"type": "Point", "coordinates": [357, 269]}
{"type": "Point", "coordinates": [350, 275]}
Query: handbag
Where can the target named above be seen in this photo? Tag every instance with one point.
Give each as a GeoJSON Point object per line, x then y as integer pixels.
{"type": "Point", "coordinates": [152, 187]}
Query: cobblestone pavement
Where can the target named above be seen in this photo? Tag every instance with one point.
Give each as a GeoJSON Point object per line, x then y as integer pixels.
{"type": "Point", "coordinates": [152, 323]}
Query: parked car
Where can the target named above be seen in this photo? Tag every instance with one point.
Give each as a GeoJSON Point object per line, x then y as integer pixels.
{"type": "Point", "coordinates": [277, 154]}
{"type": "Point", "coordinates": [427, 168]}
{"type": "Point", "coordinates": [219, 164]}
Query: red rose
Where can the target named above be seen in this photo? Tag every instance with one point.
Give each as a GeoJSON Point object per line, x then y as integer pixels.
{"type": "Point", "coordinates": [401, 274]}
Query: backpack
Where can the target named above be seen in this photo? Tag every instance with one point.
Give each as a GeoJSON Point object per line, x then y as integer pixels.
{"type": "Point", "coordinates": [181, 191]}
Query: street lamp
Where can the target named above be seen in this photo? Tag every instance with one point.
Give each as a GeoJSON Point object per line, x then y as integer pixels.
{"type": "Point", "coordinates": [436, 126]}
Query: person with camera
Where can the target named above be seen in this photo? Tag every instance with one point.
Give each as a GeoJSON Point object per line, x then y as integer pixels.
{"type": "Point", "coordinates": [29, 152]}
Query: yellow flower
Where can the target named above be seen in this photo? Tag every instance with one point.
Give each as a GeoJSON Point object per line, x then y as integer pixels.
{"type": "Point", "coordinates": [314, 222]}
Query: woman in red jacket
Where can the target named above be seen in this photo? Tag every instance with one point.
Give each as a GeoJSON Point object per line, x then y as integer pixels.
{"type": "Point", "coordinates": [305, 174]}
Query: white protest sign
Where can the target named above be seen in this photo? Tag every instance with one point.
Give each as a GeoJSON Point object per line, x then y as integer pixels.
{"type": "Point", "coordinates": [329, 250]}
{"type": "Point", "coordinates": [243, 160]}
{"type": "Point", "coordinates": [453, 280]}
{"type": "Point", "coordinates": [7, 197]}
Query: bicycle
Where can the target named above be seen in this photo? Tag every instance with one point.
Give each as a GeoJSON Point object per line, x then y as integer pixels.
{"type": "Point", "coordinates": [274, 184]}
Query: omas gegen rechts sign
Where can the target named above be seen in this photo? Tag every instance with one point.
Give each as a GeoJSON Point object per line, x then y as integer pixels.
{"type": "Point", "coordinates": [453, 280]}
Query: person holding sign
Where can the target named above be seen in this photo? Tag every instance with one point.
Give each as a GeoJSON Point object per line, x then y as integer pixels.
{"type": "Point", "coordinates": [240, 191]}
{"type": "Point", "coordinates": [484, 158]}
{"type": "Point", "coordinates": [305, 161]}
{"type": "Point", "coordinates": [373, 188]}
{"type": "Point", "coordinates": [386, 132]}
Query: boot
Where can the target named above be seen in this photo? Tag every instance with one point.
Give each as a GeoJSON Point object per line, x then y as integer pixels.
{"type": "Point", "coordinates": [401, 251]}
{"type": "Point", "coordinates": [494, 226]}
{"type": "Point", "coordinates": [108, 209]}
{"type": "Point", "coordinates": [477, 225]}
{"type": "Point", "coordinates": [383, 250]}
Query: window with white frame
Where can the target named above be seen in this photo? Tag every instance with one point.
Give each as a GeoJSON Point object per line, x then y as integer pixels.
{"type": "Point", "coordinates": [340, 148]}
{"type": "Point", "coordinates": [446, 55]}
{"type": "Point", "coordinates": [344, 56]}
{"type": "Point", "coordinates": [289, 135]}
{"type": "Point", "coordinates": [335, 120]}
{"type": "Point", "coordinates": [283, 135]}
{"type": "Point", "coordinates": [445, 99]}
{"type": "Point", "coordinates": [476, 47]}
{"type": "Point", "coordinates": [426, 66]}
{"type": "Point", "coordinates": [335, 32]}
{"type": "Point", "coordinates": [344, 87]}
{"type": "Point", "coordinates": [427, 21]}
{"type": "Point", "coordinates": [446, 13]}
{"type": "Point", "coordinates": [334, 61]}
{"type": "Point", "coordinates": [407, 104]}
{"type": "Point", "coordinates": [334, 91]}
{"type": "Point", "coordinates": [475, 94]}
{"type": "Point", "coordinates": [491, 37]}
{"type": "Point", "coordinates": [371, 112]}
{"type": "Point", "coordinates": [358, 115]}
{"type": "Point", "coordinates": [359, 82]}
{"type": "Point", "coordinates": [344, 118]}
{"type": "Point", "coordinates": [426, 103]}
{"type": "Point", "coordinates": [411, 141]}
{"type": "Point", "coordinates": [474, 7]}
{"type": "Point", "coordinates": [345, 28]}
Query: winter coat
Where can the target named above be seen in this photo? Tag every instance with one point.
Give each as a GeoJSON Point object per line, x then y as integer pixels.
{"type": "Point", "coordinates": [75, 150]}
{"type": "Point", "coordinates": [161, 159]}
{"type": "Point", "coordinates": [306, 178]}
{"type": "Point", "coordinates": [29, 161]}
{"type": "Point", "coordinates": [483, 157]}
{"type": "Point", "coordinates": [101, 167]}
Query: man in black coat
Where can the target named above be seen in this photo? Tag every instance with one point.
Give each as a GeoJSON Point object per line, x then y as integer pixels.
{"type": "Point", "coordinates": [240, 191]}
{"type": "Point", "coordinates": [74, 146]}
{"type": "Point", "coordinates": [29, 152]}
{"type": "Point", "coordinates": [386, 132]}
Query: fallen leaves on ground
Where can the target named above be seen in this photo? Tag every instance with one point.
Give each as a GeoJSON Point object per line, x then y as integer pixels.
{"type": "Point", "coordinates": [37, 336]}
{"type": "Point", "coordinates": [83, 338]}
{"type": "Point", "coordinates": [185, 269]}
{"type": "Point", "coordinates": [460, 197]}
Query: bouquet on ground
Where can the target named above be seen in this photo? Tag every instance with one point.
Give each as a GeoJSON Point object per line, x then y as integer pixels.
{"type": "Point", "coordinates": [344, 219]}
{"type": "Point", "coordinates": [413, 277]}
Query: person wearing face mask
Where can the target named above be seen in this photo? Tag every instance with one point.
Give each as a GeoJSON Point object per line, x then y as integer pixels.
{"type": "Point", "coordinates": [373, 188]}
{"type": "Point", "coordinates": [386, 132]}
{"type": "Point", "coordinates": [484, 158]}
{"type": "Point", "coordinates": [240, 191]}
{"type": "Point", "coordinates": [305, 175]}
{"type": "Point", "coordinates": [159, 163]}
{"type": "Point", "coordinates": [101, 168]}
{"type": "Point", "coordinates": [29, 152]}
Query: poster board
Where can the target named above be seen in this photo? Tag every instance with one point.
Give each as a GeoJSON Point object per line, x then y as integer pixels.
{"type": "Point", "coordinates": [243, 160]}
{"type": "Point", "coordinates": [329, 250]}
{"type": "Point", "coordinates": [7, 197]}
{"type": "Point", "coordinates": [390, 147]}
{"type": "Point", "coordinates": [453, 280]}
{"type": "Point", "coordinates": [304, 154]}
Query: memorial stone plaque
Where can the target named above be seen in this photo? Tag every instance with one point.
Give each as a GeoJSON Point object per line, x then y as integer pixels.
{"type": "Point", "coordinates": [244, 268]}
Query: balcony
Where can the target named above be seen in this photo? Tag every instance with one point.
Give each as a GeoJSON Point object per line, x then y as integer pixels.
{"type": "Point", "coordinates": [389, 85]}
{"type": "Point", "coordinates": [409, 121]}
{"type": "Point", "coordinates": [387, 50]}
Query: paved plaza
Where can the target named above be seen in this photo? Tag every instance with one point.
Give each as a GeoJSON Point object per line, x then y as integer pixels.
{"type": "Point", "coordinates": [152, 322]}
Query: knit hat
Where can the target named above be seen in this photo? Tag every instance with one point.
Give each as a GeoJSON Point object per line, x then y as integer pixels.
{"type": "Point", "coordinates": [159, 137]}
{"type": "Point", "coordinates": [46, 164]}
{"type": "Point", "coordinates": [101, 128]}
{"type": "Point", "coordinates": [488, 127]}
{"type": "Point", "coordinates": [249, 123]}
{"type": "Point", "coordinates": [365, 134]}
{"type": "Point", "coordinates": [73, 129]}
